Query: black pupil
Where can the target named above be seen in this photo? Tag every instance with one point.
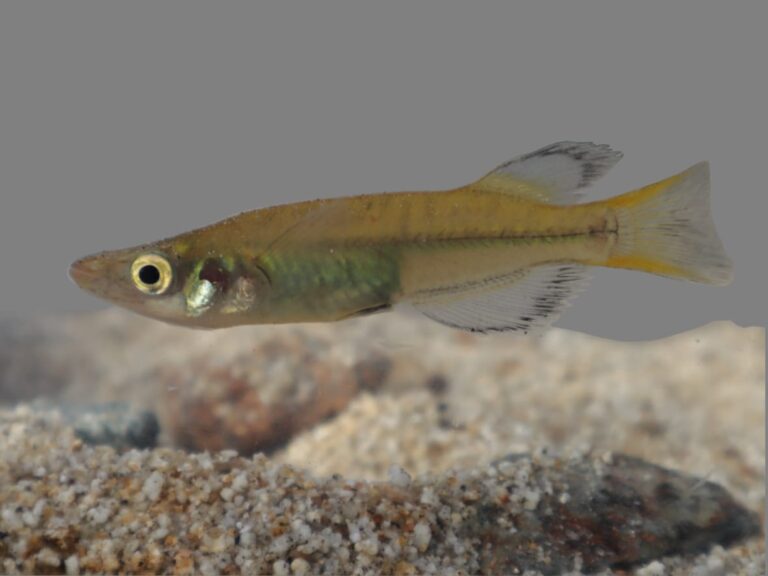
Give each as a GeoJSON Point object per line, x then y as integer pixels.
{"type": "Point", "coordinates": [149, 274]}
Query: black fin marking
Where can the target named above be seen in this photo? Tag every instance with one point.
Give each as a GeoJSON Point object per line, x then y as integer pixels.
{"type": "Point", "coordinates": [554, 172]}
{"type": "Point", "coordinates": [524, 300]}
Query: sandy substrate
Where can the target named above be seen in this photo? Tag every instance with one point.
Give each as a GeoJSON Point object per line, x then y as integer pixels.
{"type": "Point", "coordinates": [391, 399]}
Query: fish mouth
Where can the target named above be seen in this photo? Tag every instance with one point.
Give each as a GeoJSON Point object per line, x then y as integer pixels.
{"type": "Point", "coordinates": [85, 272]}
{"type": "Point", "coordinates": [95, 275]}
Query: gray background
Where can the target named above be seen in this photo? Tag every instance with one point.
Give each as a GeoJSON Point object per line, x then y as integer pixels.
{"type": "Point", "coordinates": [122, 123]}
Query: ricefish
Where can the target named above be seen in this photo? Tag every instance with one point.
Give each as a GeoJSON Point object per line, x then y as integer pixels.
{"type": "Point", "coordinates": [505, 252]}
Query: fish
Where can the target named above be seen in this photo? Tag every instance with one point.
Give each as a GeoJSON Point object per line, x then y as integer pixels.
{"type": "Point", "coordinates": [507, 252]}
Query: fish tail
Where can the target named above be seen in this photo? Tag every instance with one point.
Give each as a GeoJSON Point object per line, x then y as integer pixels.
{"type": "Point", "coordinates": [666, 228]}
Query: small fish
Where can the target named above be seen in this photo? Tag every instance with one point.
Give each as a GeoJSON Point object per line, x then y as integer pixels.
{"type": "Point", "coordinates": [504, 253]}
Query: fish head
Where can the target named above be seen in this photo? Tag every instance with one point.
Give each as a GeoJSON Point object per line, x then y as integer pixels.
{"type": "Point", "coordinates": [173, 280]}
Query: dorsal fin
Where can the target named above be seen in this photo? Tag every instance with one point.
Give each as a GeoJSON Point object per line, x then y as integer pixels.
{"type": "Point", "coordinates": [552, 174]}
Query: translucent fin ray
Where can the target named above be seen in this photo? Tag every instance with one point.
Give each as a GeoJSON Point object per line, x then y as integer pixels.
{"type": "Point", "coordinates": [554, 173]}
{"type": "Point", "coordinates": [525, 300]}
{"type": "Point", "coordinates": [666, 228]}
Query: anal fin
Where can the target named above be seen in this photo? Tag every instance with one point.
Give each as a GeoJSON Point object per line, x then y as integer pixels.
{"type": "Point", "coordinates": [524, 300]}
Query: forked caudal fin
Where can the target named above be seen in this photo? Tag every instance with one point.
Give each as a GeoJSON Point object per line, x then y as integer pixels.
{"type": "Point", "coordinates": [666, 228]}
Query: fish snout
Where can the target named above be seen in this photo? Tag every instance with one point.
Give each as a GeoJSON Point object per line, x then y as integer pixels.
{"type": "Point", "coordinates": [107, 275]}
{"type": "Point", "coordinates": [94, 274]}
{"type": "Point", "coordinates": [84, 271]}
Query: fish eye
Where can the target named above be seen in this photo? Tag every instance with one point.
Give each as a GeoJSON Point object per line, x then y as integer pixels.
{"type": "Point", "coordinates": [151, 273]}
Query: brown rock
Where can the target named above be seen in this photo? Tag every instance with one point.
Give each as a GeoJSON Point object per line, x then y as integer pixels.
{"type": "Point", "coordinates": [260, 398]}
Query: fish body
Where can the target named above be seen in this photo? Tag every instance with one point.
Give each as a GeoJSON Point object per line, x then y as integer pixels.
{"type": "Point", "coordinates": [503, 253]}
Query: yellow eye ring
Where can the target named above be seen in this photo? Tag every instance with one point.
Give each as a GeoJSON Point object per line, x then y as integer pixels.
{"type": "Point", "coordinates": [151, 273]}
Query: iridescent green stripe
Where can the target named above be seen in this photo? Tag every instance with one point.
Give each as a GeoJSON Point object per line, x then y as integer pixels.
{"type": "Point", "coordinates": [329, 280]}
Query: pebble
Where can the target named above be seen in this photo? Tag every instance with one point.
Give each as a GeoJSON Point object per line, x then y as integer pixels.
{"type": "Point", "coordinates": [421, 536]}
{"type": "Point", "coordinates": [655, 568]}
{"type": "Point", "coordinates": [300, 567]}
{"type": "Point", "coordinates": [72, 565]}
{"type": "Point", "coordinates": [280, 568]}
{"type": "Point", "coordinates": [49, 558]}
{"type": "Point", "coordinates": [153, 485]}
{"type": "Point", "coordinates": [398, 476]}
